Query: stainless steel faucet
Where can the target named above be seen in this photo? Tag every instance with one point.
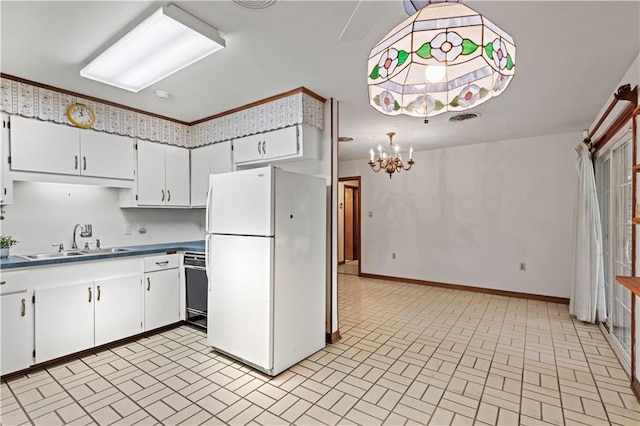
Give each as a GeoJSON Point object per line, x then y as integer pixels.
{"type": "Point", "coordinates": [74, 246]}
{"type": "Point", "coordinates": [85, 232]}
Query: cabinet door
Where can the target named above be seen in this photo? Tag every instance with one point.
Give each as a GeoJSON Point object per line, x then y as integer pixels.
{"type": "Point", "coordinates": [161, 298]}
{"type": "Point", "coordinates": [248, 149]}
{"type": "Point", "coordinates": [106, 155]}
{"type": "Point", "coordinates": [40, 146]}
{"type": "Point", "coordinates": [118, 308]}
{"type": "Point", "coordinates": [281, 143]}
{"type": "Point", "coordinates": [151, 190]}
{"type": "Point", "coordinates": [17, 321]}
{"type": "Point", "coordinates": [6, 185]}
{"type": "Point", "coordinates": [64, 320]}
{"type": "Point", "coordinates": [205, 160]}
{"type": "Point", "coordinates": [177, 176]}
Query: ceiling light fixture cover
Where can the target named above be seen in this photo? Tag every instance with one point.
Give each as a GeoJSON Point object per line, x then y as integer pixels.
{"type": "Point", "coordinates": [164, 43]}
{"type": "Point", "coordinates": [445, 57]}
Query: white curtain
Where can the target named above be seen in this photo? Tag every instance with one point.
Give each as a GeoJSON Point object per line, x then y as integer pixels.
{"type": "Point", "coordinates": [587, 289]}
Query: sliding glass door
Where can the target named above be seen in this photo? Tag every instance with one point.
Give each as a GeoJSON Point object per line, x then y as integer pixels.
{"type": "Point", "coordinates": [613, 176]}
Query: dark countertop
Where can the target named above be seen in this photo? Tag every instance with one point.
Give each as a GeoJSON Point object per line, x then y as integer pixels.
{"type": "Point", "coordinates": [12, 262]}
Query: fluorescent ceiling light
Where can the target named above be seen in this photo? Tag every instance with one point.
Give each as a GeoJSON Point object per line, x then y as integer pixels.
{"type": "Point", "coordinates": [164, 43]}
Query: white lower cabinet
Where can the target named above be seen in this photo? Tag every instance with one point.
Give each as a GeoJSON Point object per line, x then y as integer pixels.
{"type": "Point", "coordinates": [117, 309]}
{"type": "Point", "coordinates": [161, 298]}
{"type": "Point", "coordinates": [64, 320]}
{"type": "Point", "coordinates": [86, 304]}
{"type": "Point", "coordinates": [17, 332]}
{"type": "Point", "coordinates": [63, 309]}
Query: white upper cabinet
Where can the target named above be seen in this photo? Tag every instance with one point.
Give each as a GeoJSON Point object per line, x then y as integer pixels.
{"type": "Point", "coordinates": [295, 143]}
{"type": "Point", "coordinates": [44, 147]}
{"type": "Point", "coordinates": [177, 175]}
{"type": "Point", "coordinates": [206, 160]}
{"type": "Point", "coordinates": [106, 155]}
{"type": "Point", "coordinates": [163, 175]}
{"type": "Point", "coordinates": [6, 184]}
{"type": "Point", "coordinates": [40, 146]}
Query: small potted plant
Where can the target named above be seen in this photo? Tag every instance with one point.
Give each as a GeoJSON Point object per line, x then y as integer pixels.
{"type": "Point", "coordinates": [6, 241]}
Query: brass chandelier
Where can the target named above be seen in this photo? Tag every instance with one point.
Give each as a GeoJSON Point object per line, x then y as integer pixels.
{"type": "Point", "coordinates": [390, 160]}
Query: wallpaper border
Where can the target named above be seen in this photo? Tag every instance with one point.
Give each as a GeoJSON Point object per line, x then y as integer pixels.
{"type": "Point", "coordinates": [47, 103]}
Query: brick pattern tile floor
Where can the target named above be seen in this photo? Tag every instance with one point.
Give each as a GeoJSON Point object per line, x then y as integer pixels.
{"type": "Point", "coordinates": [409, 354]}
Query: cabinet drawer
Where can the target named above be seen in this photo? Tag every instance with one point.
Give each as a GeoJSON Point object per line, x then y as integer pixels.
{"type": "Point", "coordinates": [158, 263]}
{"type": "Point", "coordinates": [13, 282]}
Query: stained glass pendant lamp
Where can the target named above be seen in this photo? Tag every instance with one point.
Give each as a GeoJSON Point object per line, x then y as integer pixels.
{"type": "Point", "coordinates": [445, 57]}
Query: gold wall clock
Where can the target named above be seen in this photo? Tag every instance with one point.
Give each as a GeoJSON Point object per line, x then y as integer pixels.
{"type": "Point", "coordinates": [81, 115]}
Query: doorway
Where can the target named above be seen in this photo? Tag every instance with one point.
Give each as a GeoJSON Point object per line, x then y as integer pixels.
{"type": "Point", "coordinates": [349, 253]}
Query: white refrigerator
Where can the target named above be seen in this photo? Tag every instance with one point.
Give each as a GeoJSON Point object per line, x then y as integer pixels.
{"type": "Point", "coordinates": [266, 265]}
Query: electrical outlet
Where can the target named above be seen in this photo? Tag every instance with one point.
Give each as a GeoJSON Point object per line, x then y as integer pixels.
{"type": "Point", "coordinates": [370, 214]}
{"type": "Point", "coordinates": [126, 229]}
{"type": "Point", "coordinates": [523, 266]}
{"type": "Point", "coordinates": [393, 255]}
{"type": "Point", "coordinates": [142, 229]}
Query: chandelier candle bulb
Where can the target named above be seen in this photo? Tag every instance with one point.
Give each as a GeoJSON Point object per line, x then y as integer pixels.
{"type": "Point", "coordinates": [411, 153]}
{"type": "Point", "coordinates": [371, 152]}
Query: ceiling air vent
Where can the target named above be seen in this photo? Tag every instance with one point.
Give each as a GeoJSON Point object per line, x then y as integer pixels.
{"type": "Point", "coordinates": [463, 117]}
{"type": "Point", "coordinates": [255, 4]}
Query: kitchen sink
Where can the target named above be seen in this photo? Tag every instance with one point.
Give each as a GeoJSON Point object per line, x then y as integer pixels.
{"type": "Point", "coordinates": [73, 253]}
{"type": "Point", "coordinates": [58, 255]}
{"type": "Point", "coordinates": [105, 250]}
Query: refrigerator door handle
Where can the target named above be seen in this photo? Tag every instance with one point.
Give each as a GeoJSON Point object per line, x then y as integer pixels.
{"type": "Point", "coordinates": [206, 260]}
{"type": "Point", "coordinates": [208, 208]}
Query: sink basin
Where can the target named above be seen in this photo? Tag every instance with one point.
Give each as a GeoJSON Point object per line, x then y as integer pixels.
{"type": "Point", "coordinates": [105, 250]}
{"type": "Point", "coordinates": [63, 254]}
{"type": "Point", "coordinates": [70, 253]}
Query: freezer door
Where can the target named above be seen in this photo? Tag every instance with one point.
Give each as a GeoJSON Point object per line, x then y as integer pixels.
{"type": "Point", "coordinates": [240, 298]}
{"type": "Point", "coordinates": [241, 203]}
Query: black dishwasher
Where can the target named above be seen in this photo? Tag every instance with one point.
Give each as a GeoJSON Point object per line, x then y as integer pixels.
{"type": "Point", "coordinates": [196, 289]}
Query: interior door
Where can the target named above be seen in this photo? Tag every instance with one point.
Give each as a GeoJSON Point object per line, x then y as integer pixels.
{"type": "Point", "coordinates": [250, 213]}
{"type": "Point", "coordinates": [348, 224]}
{"type": "Point", "coordinates": [240, 297]}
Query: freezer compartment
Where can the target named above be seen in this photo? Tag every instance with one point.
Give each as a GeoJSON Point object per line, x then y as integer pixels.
{"type": "Point", "coordinates": [240, 298]}
{"type": "Point", "coordinates": [241, 203]}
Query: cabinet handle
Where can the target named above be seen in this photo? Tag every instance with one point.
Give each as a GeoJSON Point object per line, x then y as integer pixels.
{"type": "Point", "coordinates": [23, 310]}
{"type": "Point", "coordinates": [3, 282]}
{"type": "Point", "coordinates": [89, 288]}
{"type": "Point", "coordinates": [75, 157]}
{"type": "Point", "coordinates": [163, 263]}
{"type": "Point", "coordinates": [168, 195]}
{"type": "Point", "coordinates": [98, 298]}
{"type": "Point", "coordinates": [259, 152]}
{"type": "Point", "coordinates": [84, 163]}
{"type": "Point", "coordinates": [148, 283]}
{"type": "Point", "coordinates": [264, 147]}
{"type": "Point", "coordinates": [162, 195]}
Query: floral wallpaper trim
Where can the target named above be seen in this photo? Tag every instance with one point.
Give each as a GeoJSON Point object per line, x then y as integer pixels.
{"type": "Point", "coordinates": [283, 112]}
{"type": "Point", "coordinates": [46, 104]}
{"type": "Point", "coordinates": [28, 100]}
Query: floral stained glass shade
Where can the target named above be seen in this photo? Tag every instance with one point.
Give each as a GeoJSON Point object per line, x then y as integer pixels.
{"type": "Point", "coordinates": [445, 57]}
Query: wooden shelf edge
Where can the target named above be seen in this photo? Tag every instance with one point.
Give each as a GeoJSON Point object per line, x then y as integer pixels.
{"type": "Point", "coordinates": [632, 283]}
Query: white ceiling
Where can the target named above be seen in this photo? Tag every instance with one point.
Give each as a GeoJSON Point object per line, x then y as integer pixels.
{"type": "Point", "coordinates": [570, 57]}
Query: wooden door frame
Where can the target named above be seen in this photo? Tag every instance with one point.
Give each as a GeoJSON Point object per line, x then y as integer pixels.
{"type": "Point", "coordinates": [358, 219]}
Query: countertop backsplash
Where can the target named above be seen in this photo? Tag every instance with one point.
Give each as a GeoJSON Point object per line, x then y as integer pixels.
{"type": "Point", "coordinates": [44, 214]}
